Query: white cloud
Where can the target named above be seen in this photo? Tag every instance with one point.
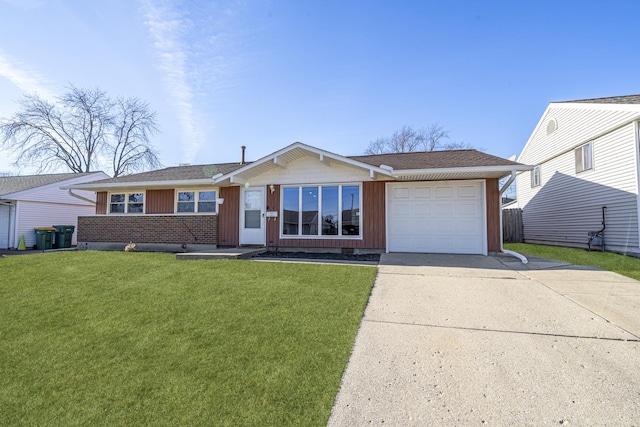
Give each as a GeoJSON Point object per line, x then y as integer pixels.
{"type": "Point", "coordinates": [25, 78]}
{"type": "Point", "coordinates": [168, 29]}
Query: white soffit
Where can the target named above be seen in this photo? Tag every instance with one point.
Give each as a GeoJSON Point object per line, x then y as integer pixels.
{"type": "Point", "coordinates": [476, 172]}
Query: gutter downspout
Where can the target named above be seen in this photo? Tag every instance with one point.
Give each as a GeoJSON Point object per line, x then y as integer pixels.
{"type": "Point", "coordinates": [77, 196]}
{"type": "Point", "coordinates": [502, 249]}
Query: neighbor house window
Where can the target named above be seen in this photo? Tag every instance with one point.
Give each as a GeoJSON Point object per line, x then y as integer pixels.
{"type": "Point", "coordinates": [535, 177]}
{"type": "Point", "coordinates": [195, 201]}
{"type": "Point", "coordinates": [321, 210]}
{"type": "Point", "coordinates": [127, 203]}
{"type": "Point", "coordinates": [584, 157]}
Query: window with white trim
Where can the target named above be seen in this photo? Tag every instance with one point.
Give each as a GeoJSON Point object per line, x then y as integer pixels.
{"type": "Point", "coordinates": [196, 201]}
{"type": "Point", "coordinates": [584, 157]}
{"type": "Point", "coordinates": [535, 177]}
{"type": "Point", "coordinates": [126, 203]}
{"type": "Point", "coordinates": [328, 211]}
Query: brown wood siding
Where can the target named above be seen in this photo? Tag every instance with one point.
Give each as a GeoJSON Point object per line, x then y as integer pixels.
{"type": "Point", "coordinates": [273, 227]}
{"type": "Point", "coordinates": [373, 227]}
{"type": "Point", "coordinates": [159, 201]}
{"type": "Point", "coordinates": [229, 217]}
{"type": "Point", "coordinates": [493, 215]}
{"type": "Point", "coordinates": [101, 203]}
{"type": "Point", "coordinates": [374, 212]}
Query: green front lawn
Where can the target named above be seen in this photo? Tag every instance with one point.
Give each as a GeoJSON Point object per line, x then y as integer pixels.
{"type": "Point", "coordinates": [625, 265]}
{"type": "Point", "coordinates": [114, 338]}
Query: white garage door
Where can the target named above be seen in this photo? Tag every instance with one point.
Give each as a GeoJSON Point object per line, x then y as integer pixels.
{"type": "Point", "coordinates": [436, 217]}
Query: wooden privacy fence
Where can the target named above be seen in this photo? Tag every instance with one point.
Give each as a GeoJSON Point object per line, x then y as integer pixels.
{"type": "Point", "coordinates": [512, 226]}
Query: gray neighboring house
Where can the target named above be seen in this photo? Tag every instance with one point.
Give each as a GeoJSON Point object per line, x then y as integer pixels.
{"type": "Point", "coordinates": [33, 201]}
{"type": "Point", "coordinates": [586, 156]}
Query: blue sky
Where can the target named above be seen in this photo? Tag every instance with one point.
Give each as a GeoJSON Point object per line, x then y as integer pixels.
{"type": "Point", "coordinates": [332, 74]}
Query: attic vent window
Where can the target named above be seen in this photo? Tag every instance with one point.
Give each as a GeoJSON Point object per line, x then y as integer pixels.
{"type": "Point", "coordinates": [552, 126]}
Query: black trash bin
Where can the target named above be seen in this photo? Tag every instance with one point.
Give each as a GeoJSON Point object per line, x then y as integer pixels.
{"type": "Point", "coordinates": [44, 238]}
{"type": "Point", "coordinates": [64, 233]}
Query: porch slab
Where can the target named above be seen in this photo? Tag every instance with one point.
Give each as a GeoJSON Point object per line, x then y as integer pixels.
{"type": "Point", "coordinates": [229, 253]}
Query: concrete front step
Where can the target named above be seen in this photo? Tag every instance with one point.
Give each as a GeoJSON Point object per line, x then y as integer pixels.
{"type": "Point", "coordinates": [232, 253]}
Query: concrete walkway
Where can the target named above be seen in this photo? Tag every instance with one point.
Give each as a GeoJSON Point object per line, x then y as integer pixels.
{"type": "Point", "coordinates": [474, 340]}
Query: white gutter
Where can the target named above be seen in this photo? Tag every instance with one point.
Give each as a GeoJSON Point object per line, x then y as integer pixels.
{"type": "Point", "coordinates": [77, 196]}
{"type": "Point", "coordinates": [142, 184]}
{"type": "Point", "coordinates": [467, 169]}
{"type": "Point", "coordinates": [502, 249]}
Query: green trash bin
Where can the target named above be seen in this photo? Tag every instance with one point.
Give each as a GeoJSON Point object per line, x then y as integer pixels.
{"type": "Point", "coordinates": [44, 238]}
{"type": "Point", "coordinates": [64, 233]}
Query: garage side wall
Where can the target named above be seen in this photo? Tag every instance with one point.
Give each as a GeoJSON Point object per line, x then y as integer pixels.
{"type": "Point", "coordinates": [493, 215]}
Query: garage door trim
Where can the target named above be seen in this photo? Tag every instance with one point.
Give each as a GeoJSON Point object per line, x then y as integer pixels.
{"type": "Point", "coordinates": [483, 206]}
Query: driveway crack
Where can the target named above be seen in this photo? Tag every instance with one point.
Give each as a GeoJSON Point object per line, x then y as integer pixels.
{"type": "Point", "coordinates": [467, 328]}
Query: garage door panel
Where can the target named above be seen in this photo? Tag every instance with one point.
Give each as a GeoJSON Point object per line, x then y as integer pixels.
{"type": "Point", "coordinates": [444, 192]}
{"type": "Point", "coordinates": [402, 227]}
{"type": "Point", "coordinates": [443, 209]}
{"type": "Point", "coordinates": [417, 210]}
{"type": "Point", "coordinates": [400, 209]}
{"type": "Point", "coordinates": [467, 191]}
{"type": "Point", "coordinates": [468, 209]}
{"type": "Point", "coordinates": [465, 228]}
{"type": "Point", "coordinates": [468, 244]}
{"type": "Point", "coordinates": [442, 244]}
{"type": "Point", "coordinates": [401, 193]}
{"type": "Point", "coordinates": [436, 217]}
{"type": "Point", "coordinates": [422, 192]}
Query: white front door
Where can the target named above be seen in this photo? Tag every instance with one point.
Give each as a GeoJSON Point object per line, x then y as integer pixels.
{"type": "Point", "coordinates": [252, 224]}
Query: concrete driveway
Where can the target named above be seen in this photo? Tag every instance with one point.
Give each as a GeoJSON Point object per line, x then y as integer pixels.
{"type": "Point", "coordinates": [474, 340]}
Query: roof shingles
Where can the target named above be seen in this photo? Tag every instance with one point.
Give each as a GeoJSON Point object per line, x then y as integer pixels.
{"type": "Point", "coordinates": [434, 159]}
{"type": "Point", "coordinates": [14, 184]}
{"type": "Point", "coordinates": [176, 173]}
{"type": "Point", "coordinates": [627, 99]}
{"type": "Point", "coordinates": [398, 161]}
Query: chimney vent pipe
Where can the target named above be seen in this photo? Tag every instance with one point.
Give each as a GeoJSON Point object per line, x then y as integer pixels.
{"type": "Point", "coordinates": [243, 148]}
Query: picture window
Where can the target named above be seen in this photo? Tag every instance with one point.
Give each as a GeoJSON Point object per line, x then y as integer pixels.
{"type": "Point", "coordinates": [321, 210]}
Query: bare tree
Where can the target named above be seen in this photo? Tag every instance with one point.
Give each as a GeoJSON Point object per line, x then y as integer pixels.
{"type": "Point", "coordinates": [133, 124]}
{"type": "Point", "coordinates": [79, 131]}
{"type": "Point", "coordinates": [377, 146]}
{"type": "Point", "coordinates": [407, 139]}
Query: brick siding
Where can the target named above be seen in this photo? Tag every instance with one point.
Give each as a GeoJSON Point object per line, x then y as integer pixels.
{"type": "Point", "coordinates": [171, 229]}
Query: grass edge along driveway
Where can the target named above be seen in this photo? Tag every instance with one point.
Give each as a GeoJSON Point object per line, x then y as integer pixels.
{"type": "Point", "coordinates": [114, 338]}
{"type": "Point", "coordinates": [621, 264]}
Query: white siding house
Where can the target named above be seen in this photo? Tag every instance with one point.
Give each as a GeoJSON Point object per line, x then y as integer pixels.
{"type": "Point", "coordinates": [27, 202]}
{"type": "Point", "coordinates": [585, 157]}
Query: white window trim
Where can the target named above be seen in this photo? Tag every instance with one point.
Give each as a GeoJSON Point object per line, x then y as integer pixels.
{"type": "Point", "coordinates": [581, 167]}
{"type": "Point", "coordinates": [320, 236]}
{"type": "Point", "coordinates": [536, 171]}
{"type": "Point", "coordinates": [197, 199]}
{"type": "Point", "coordinates": [126, 202]}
